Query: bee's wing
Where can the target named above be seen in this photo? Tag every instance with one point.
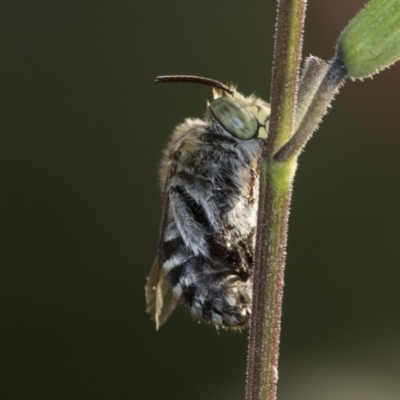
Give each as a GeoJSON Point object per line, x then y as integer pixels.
{"type": "Point", "coordinates": [159, 297]}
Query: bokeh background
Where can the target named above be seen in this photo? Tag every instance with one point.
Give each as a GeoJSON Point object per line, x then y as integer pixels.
{"type": "Point", "coordinates": [81, 130]}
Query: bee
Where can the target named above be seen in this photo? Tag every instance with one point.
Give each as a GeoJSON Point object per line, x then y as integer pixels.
{"type": "Point", "coordinates": [210, 179]}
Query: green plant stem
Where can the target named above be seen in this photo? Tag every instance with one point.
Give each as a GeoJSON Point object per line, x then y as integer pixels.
{"type": "Point", "coordinates": [274, 200]}
{"type": "Point", "coordinates": [268, 281]}
{"type": "Point", "coordinates": [334, 77]}
{"type": "Point", "coordinates": [313, 72]}
{"type": "Point", "coordinates": [285, 72]}
{"type": "Point", "coordinates": [370, 43]}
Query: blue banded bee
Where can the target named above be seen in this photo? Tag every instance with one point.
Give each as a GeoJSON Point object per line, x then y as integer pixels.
{"type": "Point", "coordinates": [210, 177]}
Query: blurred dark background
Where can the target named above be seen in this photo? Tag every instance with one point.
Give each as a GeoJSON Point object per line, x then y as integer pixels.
{"type": "Point", "coordinates": [82, 128]}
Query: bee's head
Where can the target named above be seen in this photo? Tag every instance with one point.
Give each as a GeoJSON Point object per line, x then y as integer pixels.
{"type": "Point", "coordinates": [243, 117]}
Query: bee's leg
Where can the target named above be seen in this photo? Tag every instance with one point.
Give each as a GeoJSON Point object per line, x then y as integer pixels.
{"type": "Point", "coordinates": [190, 219]}
{"type": "Point", "coordinates": [213, 297]}
{"type": "Point", "coordinates": [201, 192]}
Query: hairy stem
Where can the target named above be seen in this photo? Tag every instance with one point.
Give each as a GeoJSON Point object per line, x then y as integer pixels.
{"type": "Point", "coordinates": [370, 43]}
{"type": "Point", "coordinates": [285, 72]}
{"type": "Point", "coordinates": [334, 77]}
{"type": "Point", "coordinates": [275, 195]}
{"type": "Point", "coordinates": [313, 72]}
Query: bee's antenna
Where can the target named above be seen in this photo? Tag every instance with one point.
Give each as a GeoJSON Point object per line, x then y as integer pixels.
{"type": "Point", "coordinates": [193, 79]}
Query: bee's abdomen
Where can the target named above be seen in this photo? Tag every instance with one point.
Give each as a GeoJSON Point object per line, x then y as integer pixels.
{"type": "Point", "coordinates": [213, 293]}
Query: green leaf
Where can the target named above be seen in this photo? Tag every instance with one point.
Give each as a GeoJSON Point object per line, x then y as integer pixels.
{"type": "Point", "coordinates": [371, 41]}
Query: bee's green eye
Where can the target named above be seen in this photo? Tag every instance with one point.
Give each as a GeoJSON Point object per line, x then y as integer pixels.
{"type": "Point", "coordinates": [235, 117]}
